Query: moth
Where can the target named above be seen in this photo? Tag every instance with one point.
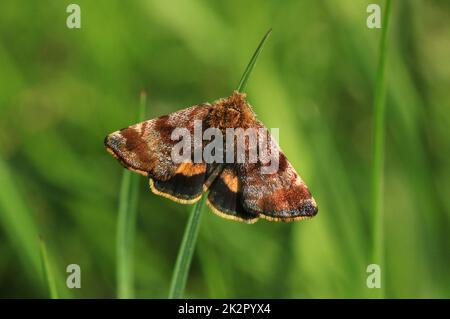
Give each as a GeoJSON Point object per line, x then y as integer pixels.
{"type": "Point", "coordinates": [237, 190]}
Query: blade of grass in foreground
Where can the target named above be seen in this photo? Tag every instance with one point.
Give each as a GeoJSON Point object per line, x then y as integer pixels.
{"type": "Point", "coordinates": [126, 225]}
{"type": "Point", "coordinates": [186, 251]}
{"type": "Point", "coordinates": [16, 219]}
{"type": "Point", "coordinates": [378, 148]}
{"type": "Point", "coordinates": [17, 222]}
{"type": "Point", "coordinates": [48, 275]}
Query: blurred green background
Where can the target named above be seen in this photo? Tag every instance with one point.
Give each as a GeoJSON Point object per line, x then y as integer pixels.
{"type": "Point", "coordinates": [62, 90]}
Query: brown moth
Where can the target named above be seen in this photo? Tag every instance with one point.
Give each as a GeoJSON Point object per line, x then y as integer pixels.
{"type": "Point", "coordinates": [238, 191]}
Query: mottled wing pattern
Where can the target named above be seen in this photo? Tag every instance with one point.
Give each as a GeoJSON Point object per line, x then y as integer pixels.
{"type": "Point", "coordinates": [281, 196]}
{"type": "Point", "coordinates": [238, 191]}
{"type": "Point", "coordinates": [146, 148]}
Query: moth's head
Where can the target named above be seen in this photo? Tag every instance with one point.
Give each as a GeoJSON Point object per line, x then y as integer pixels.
{"type": "Point", "coordinates": [232, 112]}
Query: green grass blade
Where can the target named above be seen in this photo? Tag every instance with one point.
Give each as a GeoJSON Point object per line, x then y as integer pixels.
{"type": "Point", "coordinates": [20, 228]}
{"type": "Point", "coordinates": [378, 147]}
{"type": "Point", "coordinates": [48, 275]}
{"type": "Point", "coordinates": [186, 251]}
{"type": "Point", "coordinates": [17, 222]}
{"type": "Point", "coordinates": [126, 225]}
{"type": "Point", "coordinates": [187, 247]}
{"type": "Point", "coordinates": [251, 64]}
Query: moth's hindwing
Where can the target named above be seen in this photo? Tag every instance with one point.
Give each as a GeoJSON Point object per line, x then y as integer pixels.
{"type": "Point", "coordinates": [186, 186]}
{"type": "Point", "coordinates": [225, 197]}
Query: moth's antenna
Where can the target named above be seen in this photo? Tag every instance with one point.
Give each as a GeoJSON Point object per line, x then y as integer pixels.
{"type": "Point", "coordinates": [251, 64]}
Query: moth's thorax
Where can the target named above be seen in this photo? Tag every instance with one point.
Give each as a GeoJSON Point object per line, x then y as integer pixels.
{"type": "Point", "coordinates": [231, 112]}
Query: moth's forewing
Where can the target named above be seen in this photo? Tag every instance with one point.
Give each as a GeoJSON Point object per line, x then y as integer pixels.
{"type": "Point", "coordinates": [146, 148]}
{"type": "Point", "coordinates": [278, 196]}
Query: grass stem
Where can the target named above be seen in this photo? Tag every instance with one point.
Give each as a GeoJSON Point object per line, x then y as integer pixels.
{"type": "Point", "coordinates": [378, 148]}
{"type": "Point", "coordinates": [126, 225]}
{"type": "Point", "coordinates": [186, 251]}
{"type": "Point", "coordinates": [251, 64]}
{"type": "Point", "coordinates": [48, 275]}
